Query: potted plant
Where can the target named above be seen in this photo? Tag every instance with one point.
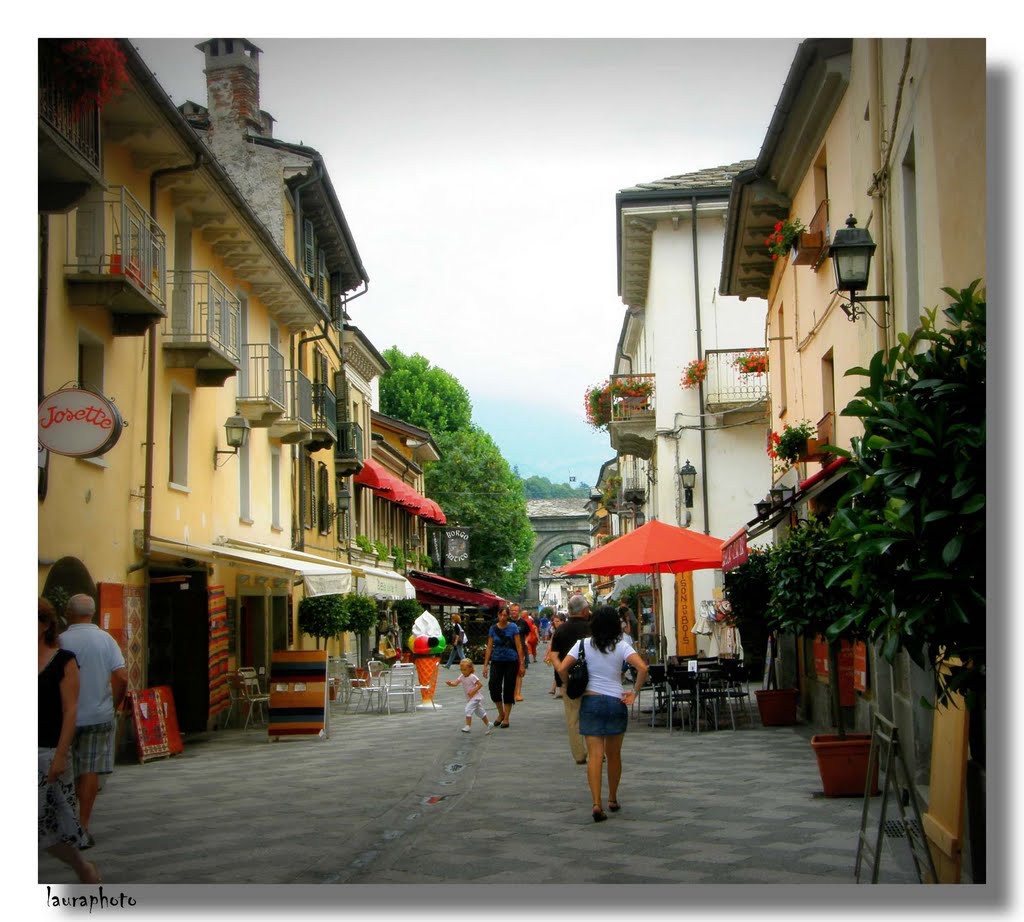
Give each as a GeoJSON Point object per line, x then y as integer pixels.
{"type": "Point", "coordinates": [807, 600]}
{"type": "Point", "coordinates": [635, 392]}
{"type": "Point", "coordinates": [92, 71]}
{"type": "Point", "coordinates": [748, 590]}
{"type": "Point", "coordinates": [364, 544]}
{"type": "Point", "coordinates": [694, 373]}
{"type": "Point", "coordinates": [598, 403]}
{"type": "Point", "coordinates": [396, 552]}
{"type": "Point", "coordinates": [322, 616]}
{"type": "Point", "coordinates": [752, 363]}
{"type": "Point", "coordinates": [380, 549]}
{"type": "Point", "coordinates": [914, 515]}
{"type": "Point", "coordinates": [796, 443]}
{"type": "Point", "coordinates": [780, 240]}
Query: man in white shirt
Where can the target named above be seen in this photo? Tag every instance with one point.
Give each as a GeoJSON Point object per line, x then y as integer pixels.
{"type": "Point", "coordinates": [103, 682]}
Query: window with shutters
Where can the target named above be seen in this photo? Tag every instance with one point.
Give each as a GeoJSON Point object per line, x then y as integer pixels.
{"type": "Point", "coordinates": [323, 286]}
{"type": "Point", "coordinates": [309, 249]}
{"type": "Point", "coordinates": [323, 497]}
{"type": "Point", "coordinates": [309, 507]}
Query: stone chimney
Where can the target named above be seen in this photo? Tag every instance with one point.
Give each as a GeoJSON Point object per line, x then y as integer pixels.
{"type": "Point", "coordinates": [232, 88]}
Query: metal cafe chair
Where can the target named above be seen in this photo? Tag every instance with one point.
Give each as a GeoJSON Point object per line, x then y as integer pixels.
{"type": "Point", "coordinates": [736, 688]}
{"type": "Point", "coordinates": [682, 692]}
{"type": "Point", "coordinates": [655, 687]}
{"type": "Point", "coordinates": [252, 695]}
{"type": "Point", "coordinates": [400, 685]}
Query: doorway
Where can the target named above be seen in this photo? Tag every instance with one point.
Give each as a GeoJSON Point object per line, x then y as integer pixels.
{"type": "Point", "coordinates": [178, 646]}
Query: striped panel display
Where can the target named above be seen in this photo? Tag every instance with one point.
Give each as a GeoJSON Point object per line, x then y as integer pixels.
{"type": "Point", "coordinates": [298, 693]}
{"type": "Point", "coordinates": [217, 607]}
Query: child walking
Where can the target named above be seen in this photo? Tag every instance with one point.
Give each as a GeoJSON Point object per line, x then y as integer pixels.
{"type": "Point", "coordinates": [474, 694]}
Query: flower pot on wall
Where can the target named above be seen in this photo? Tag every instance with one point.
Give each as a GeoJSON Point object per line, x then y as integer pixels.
{"type": "Point", "coordinates": [843, 764]}
{"type": "Point", "coordinates": [777, 706]}
{"type": "Point", "coordinates": [812, 451]}
{"type": "Point", "coordinates": [807, 247]}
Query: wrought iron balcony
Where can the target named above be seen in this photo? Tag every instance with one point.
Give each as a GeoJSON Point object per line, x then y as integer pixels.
{"type": "Point", "coordinates": [116, 257]}
{"type": "Point", "coordinates": [70, 159]}
{"type": "Point", "coordinates": [261, 384]}
{"type": "Point", "coordinates": [203, 329]}
{"type": "Point", "coordinates": [296, 424]}
{"type": "Point", "coordinates": [325, 422]}
{"type": "Point", "coordinates": [728, 387]}
{"type": "Point", "coordinates": [348, 451]}
{"type": "Point", "coordinates": [631, 428]}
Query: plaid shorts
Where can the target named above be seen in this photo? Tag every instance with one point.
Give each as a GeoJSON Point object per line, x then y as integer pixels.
{"type": "Point", "coordinates": [94, 749]}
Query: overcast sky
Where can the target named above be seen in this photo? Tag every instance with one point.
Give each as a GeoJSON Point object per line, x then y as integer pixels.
{"type": "Point", "coordinates": [478, 177]}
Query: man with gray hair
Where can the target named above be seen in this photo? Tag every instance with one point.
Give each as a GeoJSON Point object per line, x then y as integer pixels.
{"type": "Point", "coordinates": [575, 628]}
{"type": "Point", "coordinates": [103, 682]}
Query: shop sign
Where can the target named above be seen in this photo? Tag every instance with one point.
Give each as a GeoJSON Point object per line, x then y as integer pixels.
{"type": "Point", "coordinates": [79, 423]}
{"type": "Point", "coordinates": [734, 552]}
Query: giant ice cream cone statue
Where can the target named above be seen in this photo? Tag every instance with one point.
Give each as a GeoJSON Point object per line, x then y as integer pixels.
{"type": "Point", "coordinates": [427, 644]}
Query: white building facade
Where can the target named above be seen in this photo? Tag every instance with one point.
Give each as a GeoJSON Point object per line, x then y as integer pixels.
{"type": "Point", "coordinates": [670, 240]}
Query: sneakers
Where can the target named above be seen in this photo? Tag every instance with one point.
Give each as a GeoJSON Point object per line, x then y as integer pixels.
{"type": "Point", "coordinates": [87, 842]}
{"type": "Point", "coordinates": [487, 732]}
{"type": "Point", "coordinates": [465, 729]}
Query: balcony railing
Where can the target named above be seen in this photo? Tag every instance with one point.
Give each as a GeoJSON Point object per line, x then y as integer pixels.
{"type": "Point", "coordinates": [205, 315]}
{"type": "Point", "coordinates": [727, 386]}
{"type": "Point", "coordinates": [70, 153]}
{"type": "Point", "coordinates": [350, 442]}
{"type": "Point", "coordinates": [298, 391]}
{"type": "Point", "coordinates": [632, 397]}
{"type": "Point", "coordinates": [262, 378]}
{"type": "Point", "coordinates": [325, 421]}
{"type": "Point", "coordinates": [113, 238]}
{"type": "Point", "coordinates": [296, 424]}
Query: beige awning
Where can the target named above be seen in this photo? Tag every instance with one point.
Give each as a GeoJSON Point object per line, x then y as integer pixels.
{"type": "Point", "coordinates": [320, 576]}
{"type": "Point", "coordinates": [384, 584]}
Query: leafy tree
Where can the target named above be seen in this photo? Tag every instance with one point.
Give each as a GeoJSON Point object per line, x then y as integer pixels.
{"type": "Point", "coordinates": [478, 490]}
{"type": "Point", "coordinates": [748, 590]}
{"type": "Point", "coordinates": [417, 392]}
{"type": "Point", "coordinates": [406, 611]}
{"type": "Point", "coordinates": [804, 599]}
{"type": "Point", "coordinates": [322, 616]}
{"type": "Point", "coordinates": [914, 517]}
{"type": "Point", "coordinates": [360, 611]}
{"type": "Point", "coordinates": [537, 487]}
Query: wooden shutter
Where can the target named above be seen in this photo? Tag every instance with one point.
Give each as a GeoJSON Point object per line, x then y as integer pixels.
{"type": "Point", "coordinates": [309, 263]}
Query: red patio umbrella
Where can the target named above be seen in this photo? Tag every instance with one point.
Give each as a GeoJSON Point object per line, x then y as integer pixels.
{"type": "Point", "coordinates": [652, 548]}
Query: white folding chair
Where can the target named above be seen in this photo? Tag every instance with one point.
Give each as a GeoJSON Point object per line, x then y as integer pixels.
{"type": "Point", "coordinates": [400, 685]}
{"type": "Point", "coordinates": [252, 694]}
{"type": "Point", "coordinates": [372, 691]}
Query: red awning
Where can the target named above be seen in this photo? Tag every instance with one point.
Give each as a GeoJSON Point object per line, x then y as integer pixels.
{"type": "Point", "coordinates": [439, 590]}
{"type": "Point", "coordinates": [373, 476]}
{"type": "Point", "coordinates": [734, 551]}
{"type": "Point", "coordinates": [386, 485]}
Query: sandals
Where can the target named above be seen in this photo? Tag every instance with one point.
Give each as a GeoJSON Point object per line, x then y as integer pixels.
{"type": "Point", "coordinates": [614, 806]}
{"type": "Point", "coordinates": [598, 814]}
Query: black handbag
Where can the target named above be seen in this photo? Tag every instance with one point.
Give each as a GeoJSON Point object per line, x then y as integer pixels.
{"type": "Point", "coordinates": [579, 675]}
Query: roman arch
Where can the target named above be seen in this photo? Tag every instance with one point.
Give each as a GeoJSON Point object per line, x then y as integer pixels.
{"type": "Point", "coordinates": [555, 522]}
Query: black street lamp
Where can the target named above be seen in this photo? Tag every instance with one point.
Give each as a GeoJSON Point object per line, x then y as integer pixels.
{"type": "Point", "coordinates": [851, 251]}
{"type": "Point", "coordinates": [236, 430]}
{"type": "Point", "coordinates": [688, 478]}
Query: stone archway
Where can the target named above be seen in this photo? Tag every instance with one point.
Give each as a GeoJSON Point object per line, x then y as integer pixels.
{"type": "Point", "coordinates": [555, 522]}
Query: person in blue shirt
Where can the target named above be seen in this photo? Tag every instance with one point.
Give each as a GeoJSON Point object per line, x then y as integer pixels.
{"type": "Point", "coordinates": [505, 653]}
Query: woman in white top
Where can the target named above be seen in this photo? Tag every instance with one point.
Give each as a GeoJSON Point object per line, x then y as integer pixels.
{"type": "Point", "coordinates": [604, 708]}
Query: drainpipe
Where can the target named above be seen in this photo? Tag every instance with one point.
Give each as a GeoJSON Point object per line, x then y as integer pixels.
{"type": "Point", "coordinates": [700, 386]}
{"type": "Point", "coordinates": [151, 344]}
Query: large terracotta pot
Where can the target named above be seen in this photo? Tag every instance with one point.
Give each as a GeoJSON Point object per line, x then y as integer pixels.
{"type": "Point", "coordinates": [777, 706]}
{"type": "Point", "coordinates": [843, 764]}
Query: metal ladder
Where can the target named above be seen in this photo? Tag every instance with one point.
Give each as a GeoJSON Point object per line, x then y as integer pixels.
{"type": "Point", "coordinates": [899, 782]}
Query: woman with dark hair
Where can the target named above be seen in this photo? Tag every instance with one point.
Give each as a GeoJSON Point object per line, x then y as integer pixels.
{"type": "Point", "coordinates": [604, 707]}
{"type": "Point", "coordinates": [60, 833]}
{"type": "Point", "coordinates": [505, 650]}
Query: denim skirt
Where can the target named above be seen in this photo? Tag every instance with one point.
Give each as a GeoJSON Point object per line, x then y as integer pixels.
{"type": "Point", "coordinates": [602, 715]}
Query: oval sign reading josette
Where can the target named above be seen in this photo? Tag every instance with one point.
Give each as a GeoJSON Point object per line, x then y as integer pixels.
{"type": "Point", "coordinates": [79, 423]}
